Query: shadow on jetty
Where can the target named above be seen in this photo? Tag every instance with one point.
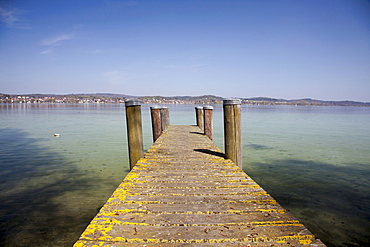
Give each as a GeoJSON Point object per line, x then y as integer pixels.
{"type": "Point", "coordinates": [207, 151]}
{"type": "Point", "coordinates": [43, 194]}
{"type": "Point", "coordinates": [332, 201]}
{"type": "Point", "coordinates": [198, 133]}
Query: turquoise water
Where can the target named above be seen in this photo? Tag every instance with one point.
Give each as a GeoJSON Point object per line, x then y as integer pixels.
{"type": "Point", "coordinates": [314, 160]}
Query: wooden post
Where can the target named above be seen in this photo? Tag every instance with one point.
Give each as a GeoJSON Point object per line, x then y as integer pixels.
{"type": "Point", "coordinates": [232, 129]}
{"type": "Point", "coordinates": [208, 128]}
{"type": "Point", "coordinates": [155, 113]}
{"type": "Point", "coordinates": [165, 117]}
{"type": "Point", "coordinates": [199, 117]}
{"type": "Point", "coordinates": [134, 131]}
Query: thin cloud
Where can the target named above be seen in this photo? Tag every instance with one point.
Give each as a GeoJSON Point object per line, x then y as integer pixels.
{"type": "Point", "coordinates": [56, 41]}
{"type": "Point", "coordinates": [11, 18]}
{"type": "Point", "coordinates": [53, 42]}
{"type": "Point", "coordinates": [48, 51]}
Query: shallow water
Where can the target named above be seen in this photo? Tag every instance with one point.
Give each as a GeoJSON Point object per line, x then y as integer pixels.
{"type": "Point", "coordinates": [314, 160]}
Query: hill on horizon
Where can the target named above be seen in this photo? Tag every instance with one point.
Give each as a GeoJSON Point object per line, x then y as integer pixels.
{"type": "Point", "coordinates": [208, 98]}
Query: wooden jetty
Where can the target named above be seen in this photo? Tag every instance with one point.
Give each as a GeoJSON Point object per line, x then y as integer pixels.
{"type": "Point", "coordinates": [183, 192]}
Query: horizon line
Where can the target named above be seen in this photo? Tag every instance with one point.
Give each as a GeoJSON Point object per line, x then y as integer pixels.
{"type": "Point", "coordinates": [136, 96]}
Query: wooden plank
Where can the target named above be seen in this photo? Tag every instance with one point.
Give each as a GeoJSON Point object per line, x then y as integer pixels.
{"type": "Point", "coordinates": [184, 193]}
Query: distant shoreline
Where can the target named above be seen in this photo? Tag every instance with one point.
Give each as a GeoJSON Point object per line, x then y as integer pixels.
{"type": "Point", "coordinates": [107, 98]}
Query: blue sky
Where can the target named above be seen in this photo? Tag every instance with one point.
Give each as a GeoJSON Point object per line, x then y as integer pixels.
{"type": "Point", "coordinates": [283, 49]}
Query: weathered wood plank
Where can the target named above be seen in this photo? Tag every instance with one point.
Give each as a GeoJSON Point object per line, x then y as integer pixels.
{"type": "Point", "coordinates": [183, 192]}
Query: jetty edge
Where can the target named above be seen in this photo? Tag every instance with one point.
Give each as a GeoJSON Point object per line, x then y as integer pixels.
{"type": "Point", "coordinates": [184, 192]}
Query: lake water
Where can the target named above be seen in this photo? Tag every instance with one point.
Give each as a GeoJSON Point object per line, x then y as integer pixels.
{"type": "Point", "coordinates": [315, 161]}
